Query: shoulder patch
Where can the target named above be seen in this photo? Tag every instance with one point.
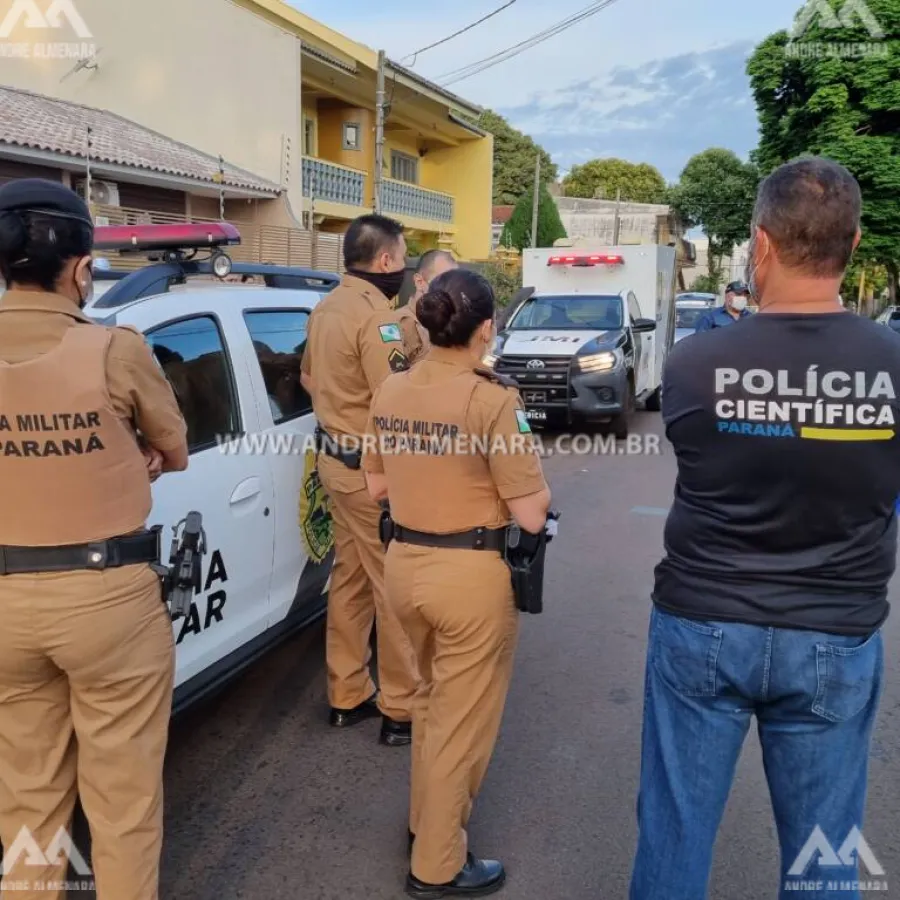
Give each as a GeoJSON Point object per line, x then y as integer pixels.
{"type": "Point", "coordinates": [503, 380]}
{"type": "Point", "coordinates": [522, 419]}
{"type": "Point", "coordinates": [390, 333]}
{"type": "Point", "coordinates": [397, 361]}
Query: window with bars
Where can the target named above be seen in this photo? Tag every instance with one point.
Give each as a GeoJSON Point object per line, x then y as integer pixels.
{"type": "Point", "coordinates": [404, 167]}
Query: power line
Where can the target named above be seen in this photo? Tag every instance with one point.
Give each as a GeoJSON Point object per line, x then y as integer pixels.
{"type": "Point", "coordinates": [413, 56]}
{"type": "Point", "coordinates": [502, 56]}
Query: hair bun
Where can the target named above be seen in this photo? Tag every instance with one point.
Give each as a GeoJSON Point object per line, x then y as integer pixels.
{"type": "Point", "coordinates": [13, 235]}
{"type": "Point", "coordinates": [436, 310]}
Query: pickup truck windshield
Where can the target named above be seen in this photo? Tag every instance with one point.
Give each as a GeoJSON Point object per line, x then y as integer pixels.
{"type": "Point", "coordinates": [576, 312]}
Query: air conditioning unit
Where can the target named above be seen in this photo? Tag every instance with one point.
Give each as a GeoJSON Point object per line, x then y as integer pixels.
{"type": "Point", "coordinates": [103, 193]}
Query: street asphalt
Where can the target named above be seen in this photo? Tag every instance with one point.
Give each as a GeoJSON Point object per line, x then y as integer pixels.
{"type": "Point", "coordinates": [265, 801]}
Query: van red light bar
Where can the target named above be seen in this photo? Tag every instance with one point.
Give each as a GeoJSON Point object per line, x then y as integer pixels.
{"type": "Point", "coordinates": [581, 260]}
{"type": "Point", "coordinates": [193, 236]}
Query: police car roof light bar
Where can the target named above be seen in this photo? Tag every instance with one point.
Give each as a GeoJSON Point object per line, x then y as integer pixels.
{"type": "Point", "coordinates": [593, 259]}
{"type": "Point", "coordinates": [189, 236]}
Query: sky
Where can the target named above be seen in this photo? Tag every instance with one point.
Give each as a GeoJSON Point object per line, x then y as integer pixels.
{"type": "Point", "coordinates": [645, 80]}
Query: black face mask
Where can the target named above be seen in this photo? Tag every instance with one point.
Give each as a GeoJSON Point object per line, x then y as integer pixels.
{"type": "Point", "coordinates": [389, 283]}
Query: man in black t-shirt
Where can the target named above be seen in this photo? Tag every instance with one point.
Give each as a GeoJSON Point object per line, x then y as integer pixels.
{"type": "Point", "coordinates": [779, 547]}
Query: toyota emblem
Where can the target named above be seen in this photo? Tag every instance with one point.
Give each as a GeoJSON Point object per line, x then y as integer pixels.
{"type": "Point", "coordinates": [535, 364]}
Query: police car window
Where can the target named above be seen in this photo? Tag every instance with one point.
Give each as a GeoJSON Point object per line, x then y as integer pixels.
{"type": "Point", "coordinates": [192, 354]}
{"type": "Point", "coordinates": [279, 338]}
{"type": "Point", "coordinates": [579, 312]}
{"type": "Point", "coordinates": [688, 317]}
{"type": "Point", "coordinates": [633, 309]}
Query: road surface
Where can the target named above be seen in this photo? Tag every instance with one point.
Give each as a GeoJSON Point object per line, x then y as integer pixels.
{"type": "Point", "coordinates": [265, 801]}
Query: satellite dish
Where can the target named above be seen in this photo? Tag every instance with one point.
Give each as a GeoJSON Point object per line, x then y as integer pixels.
{"type": "Point", "coordinates": [89, 62]}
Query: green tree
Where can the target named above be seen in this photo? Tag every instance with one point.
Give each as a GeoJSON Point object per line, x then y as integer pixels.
{"type": "Point", "coordinates": [514, 160]}
{"type": "Point", "coordinates": [717, 191]}
{"type": "Point", "coordinates": [638, 182]}
{"type": "Point", "coordinates": [845, 107]}
{"type": "Point", "coordinates": [517, 231]}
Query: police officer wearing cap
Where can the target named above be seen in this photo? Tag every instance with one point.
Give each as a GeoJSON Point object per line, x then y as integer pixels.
{"type": "Point", "coordinates": [737, 296]}
{"type": "Point", "coordinates": [87, 655]}
{"type": "Point", "coordinates": [450, 450]}
{"type": "Point", "coordinates": [354, 342]}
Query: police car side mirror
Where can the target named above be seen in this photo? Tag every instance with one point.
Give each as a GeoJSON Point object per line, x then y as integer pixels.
{"type": "Point", "coordinates": [643, 326]}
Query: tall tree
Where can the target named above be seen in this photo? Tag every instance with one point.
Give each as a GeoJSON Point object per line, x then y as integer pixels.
{"type": "Point", "coordinates": [842, 105]}
{"type": "Point", "coordinates": [638, 182]}
{"type": "Point", "coordinates": [517, 231]}
{"type": "Point", "coordinates": [717, 191]}
{"type": "Point", "coordinates": [514, 160]}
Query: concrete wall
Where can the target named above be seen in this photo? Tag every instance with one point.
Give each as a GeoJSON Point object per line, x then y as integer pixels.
{"type": "Point", "coordinates": [208, 73]}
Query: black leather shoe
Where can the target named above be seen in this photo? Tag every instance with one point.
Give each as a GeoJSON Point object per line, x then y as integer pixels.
{"type": "Point", "coordinates": [344, 718]}
{"type": "Point", "coordinates": [478, 878]}
{"type": "Point", "coordinates": [395, 734]}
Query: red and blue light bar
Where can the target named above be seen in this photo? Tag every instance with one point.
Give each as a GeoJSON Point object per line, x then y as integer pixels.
{"type": "Point", "coordinates": [592, 259]}
{"type": "Point", "coordinates": [190, 236]}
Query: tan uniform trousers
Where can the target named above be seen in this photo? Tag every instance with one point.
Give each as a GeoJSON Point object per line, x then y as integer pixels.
{"type": "Point", "coordinates": [87, 664]}
{"type": "Point", "coordinates": [457, 607]}
{"type": "Point", "coordinates": [355, 597]}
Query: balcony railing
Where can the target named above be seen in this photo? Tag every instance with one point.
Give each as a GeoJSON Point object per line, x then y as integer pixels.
{"type": "Point", "coordinates": [404, 199]}
{"type": "Point", "coordinates": [332, 183]}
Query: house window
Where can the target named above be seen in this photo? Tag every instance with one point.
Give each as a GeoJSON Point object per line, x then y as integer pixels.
{"type": "Point", "coordinates": [351, 135]}
{"type": "Point", "coordinates": [404, 167]}
{"type": "Point", "coordinates": [309, 137]}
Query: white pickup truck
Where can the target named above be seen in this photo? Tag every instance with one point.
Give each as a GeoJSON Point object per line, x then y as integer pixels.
{"type": "Point", "coordinates": [588, 335]}
{"type": "Point", "coordinates": [232, 354]}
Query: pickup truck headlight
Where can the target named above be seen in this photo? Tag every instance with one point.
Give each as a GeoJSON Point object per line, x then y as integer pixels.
{"type": "Point", "coordinates": [489, 360]}
{"type": "Point", "coordinates": [598, 362]}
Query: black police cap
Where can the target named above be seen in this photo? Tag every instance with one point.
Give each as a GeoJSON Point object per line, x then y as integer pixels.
{"type": "Point", "coordinates": [737, 287]}
{"type": "Point", "coordinates": [38, 195]}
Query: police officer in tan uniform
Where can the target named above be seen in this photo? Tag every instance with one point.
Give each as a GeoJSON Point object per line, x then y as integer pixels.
{"type": "Point", "coordinates": [87, 655]}
{"type": "Point", "coordinates": [449, 447]}
{"type": "Point", "coordinates": [354, 342]}
{"type": "Point", "coordinates": [431, 264]}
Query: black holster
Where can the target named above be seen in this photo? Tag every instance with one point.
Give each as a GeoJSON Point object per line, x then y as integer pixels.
{"type": "Point", "coordinates": [525, 555]}
{"type": "Point", "coordinates": [385, 526]}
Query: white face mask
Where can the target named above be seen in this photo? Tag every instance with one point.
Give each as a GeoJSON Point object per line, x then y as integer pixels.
{"type": "Point", "coordinates": [739, 304]}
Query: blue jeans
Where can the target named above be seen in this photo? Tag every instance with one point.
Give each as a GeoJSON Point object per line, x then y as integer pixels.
{"type": "Point", "coordinates": [815, 697]}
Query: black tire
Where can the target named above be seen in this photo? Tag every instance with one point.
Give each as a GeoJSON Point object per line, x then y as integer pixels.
{"type": "Point", "coordinates": [654, 401]}
{"type": "Point", "coordinates": [622, 422]}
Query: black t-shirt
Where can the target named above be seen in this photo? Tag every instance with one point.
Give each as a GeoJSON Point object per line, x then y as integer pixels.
{"type": "Point", "coordinates": [787, 433]}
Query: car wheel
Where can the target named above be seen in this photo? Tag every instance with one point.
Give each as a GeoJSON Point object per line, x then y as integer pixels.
{"type": "Point", "coordinates": [621, 422]}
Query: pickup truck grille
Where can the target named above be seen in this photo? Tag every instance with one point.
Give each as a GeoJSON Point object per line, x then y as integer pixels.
{"type": "Point", "coordinates": [552, 378]}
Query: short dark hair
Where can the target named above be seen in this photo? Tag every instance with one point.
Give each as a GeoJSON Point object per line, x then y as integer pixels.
{"type": "Point", "coordinates": [367, 237]}
{"type": "Point", "coordinates": [35, 246]}
{"type": "Point", "coordinates": [456, 304]}
{"type": "Point", "coordinates": [428, 260]}
{"type": "Point", "coordinates": [811, 209]}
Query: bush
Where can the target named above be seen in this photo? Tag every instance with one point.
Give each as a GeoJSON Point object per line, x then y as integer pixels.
{"type": "Point", "coordinates": [517, 231]}
{"type": "Point", "coordinates": [506, 280]}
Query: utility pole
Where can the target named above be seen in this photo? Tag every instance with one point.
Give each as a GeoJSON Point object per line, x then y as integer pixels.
{"type": "Point", "coordinates": [616, 222]}
{"type": "Point", "coordinates": [537, 201]}
{"type": "Point", "coordinates": [379, 131]}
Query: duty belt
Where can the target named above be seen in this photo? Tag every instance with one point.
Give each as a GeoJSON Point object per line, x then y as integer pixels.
{"type": "Point", "coordinates": [476, 539]}
{"type": "Point", "coordinates": [330, 447]}
{"type": "Point", "coordinates": [128, 550]}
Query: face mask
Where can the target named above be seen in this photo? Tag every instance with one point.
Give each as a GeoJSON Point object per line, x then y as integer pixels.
{"type": "Point", "coordinates": [389, 283]}
{"type": "Point", "coordinates": [739, 303]}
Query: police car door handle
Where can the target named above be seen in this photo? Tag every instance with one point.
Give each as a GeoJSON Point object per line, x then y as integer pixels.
{"type": "Point", "coordinates": [246, 490]}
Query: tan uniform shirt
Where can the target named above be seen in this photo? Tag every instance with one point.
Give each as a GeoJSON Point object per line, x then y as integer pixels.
{"type": "Point", "coordinates": [42, 437]}
{"type": "Point", "coordinates": [415, 336]}
{"type": "Point", "coordinates": [454, 444]}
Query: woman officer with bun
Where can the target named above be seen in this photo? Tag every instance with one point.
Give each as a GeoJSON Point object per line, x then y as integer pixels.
{"type": "Point", "coordinates": [450, 449]}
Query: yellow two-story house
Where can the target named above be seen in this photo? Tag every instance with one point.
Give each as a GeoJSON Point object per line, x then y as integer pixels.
{"type": "Point", "coordinates": [279, 96]}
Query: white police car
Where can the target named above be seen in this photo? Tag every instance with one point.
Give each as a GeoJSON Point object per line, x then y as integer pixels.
{"type": "Point", "coordinates": [232, 354]}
